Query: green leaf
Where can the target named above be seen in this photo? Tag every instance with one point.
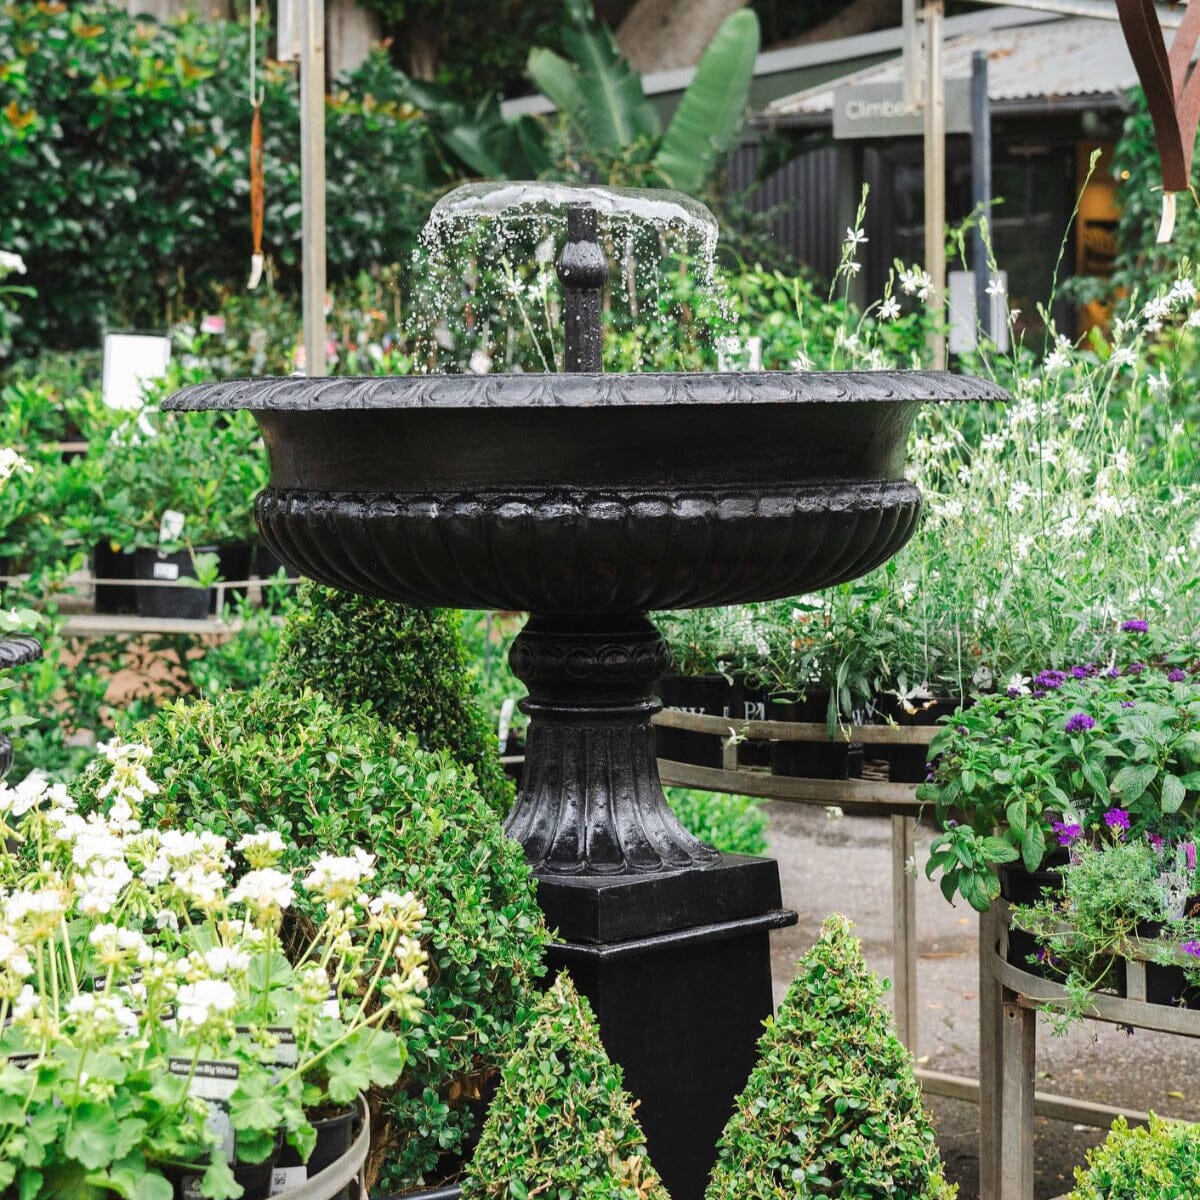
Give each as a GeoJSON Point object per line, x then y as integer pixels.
{"type": "Point", "coordinates": [709, 117]}
{"type": "Point", "coordinates": [92, 1136]}
{"type": "Point", "coordinates": [1033, 846]}
{"type": "Point", "coordinates": [1132, 781]}
{"type": "Point", "coordinates": [1173, 793]}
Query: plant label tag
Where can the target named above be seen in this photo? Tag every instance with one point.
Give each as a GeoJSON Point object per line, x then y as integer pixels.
{"type": "Point", "coordinates": [170, 526]}
{"type": "Point", "coordinates": [166, 570]}
{"type": "Point", "coordinates": [285, 1178]}
{"type": "Point", "coordinates": [331, 1007]}
{"type": "Point", "coordinates": [213, 1081]}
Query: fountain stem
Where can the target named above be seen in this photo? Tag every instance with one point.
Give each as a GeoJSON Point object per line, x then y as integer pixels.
{"type": "Point", "coordinates": [582, 270]}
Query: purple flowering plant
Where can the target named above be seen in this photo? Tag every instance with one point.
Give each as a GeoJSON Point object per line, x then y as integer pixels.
{"type": "Point", "coordinates": [1090, 754]}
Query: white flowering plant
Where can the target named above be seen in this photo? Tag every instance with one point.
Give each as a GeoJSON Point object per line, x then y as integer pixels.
{"type": "Point", "coordinates": [159, 1018]}
{"type": "Point", "coordinates": [10, 264]}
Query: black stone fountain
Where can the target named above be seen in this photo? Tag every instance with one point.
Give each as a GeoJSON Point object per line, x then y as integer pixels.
{"type": "Point", "coordinates": [589, 500]}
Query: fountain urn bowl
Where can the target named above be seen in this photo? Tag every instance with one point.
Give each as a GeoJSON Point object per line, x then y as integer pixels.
{"type": "Point", "coordinates": [589, 500]}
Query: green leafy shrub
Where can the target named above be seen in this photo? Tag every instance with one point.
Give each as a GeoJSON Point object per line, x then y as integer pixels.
{"type": "Point", "coordinates": [561, 1123]}
{"type": "Point", "coordinates": [832, 1108]}
{"type": "Point", "coordinates": [124, 149]}
{"type": "Point", "coordinates": [734, 824]}
{"type": "Point", "coordinates": [406, 664]}
{"type": "Point", "coordinates": [323, 777]}
{"type": "Point", "coordinates": [1159, 1161]}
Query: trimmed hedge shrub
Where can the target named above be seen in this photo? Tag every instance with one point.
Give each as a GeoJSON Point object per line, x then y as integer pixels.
{"type": "Point", "coordinates": [832, 1108]}
{"type": "Point", "coordinates": [561, 1124]}
{"type": "Point", "coordinates": [1159, 1161]}
{"type": "Point", "coordinates": [323, 777]}
{"type": "Point", "coordinates": [407, 664]}
{"type": "Point", "coordinates": [734, 824]}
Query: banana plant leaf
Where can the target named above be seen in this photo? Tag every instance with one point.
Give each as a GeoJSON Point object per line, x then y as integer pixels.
{"type": "Point", "coordinates": [709, 117]}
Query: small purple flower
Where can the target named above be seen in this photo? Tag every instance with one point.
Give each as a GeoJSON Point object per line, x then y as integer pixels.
{"type": "Point", "coordinates": [1050, 681]}
{"type": "Point", "coordinates": [1014, 693]}
{"type": "Point", "coordinates": [963, 730]}
{"type": "Point", "coordinates": [1189, 851]}
{"type": "Point", "coordinates": [1044, 957]}
{"type": "Point", "coordinates": [1083, 672]}
{"type": "Point", "coordinates": [1113, 672]}
{"type": "Point", "coordinates": [1129, 704]}
{"type": "Point", "coordinates": [1176, 675]}
{"type": "Point", "coordinates": [929, 775]}
{"type": "Point", "coordinates": [1135, 668]}
{"type": "Point", "coordinates": [1079, 722]}
{"type": "Point", "coordinates": [1067, 832]}
{"type": "Point", "coordinates": [1155, 841]}
{"type": "Point", "coordinates": [1135, 626]}
{"type": "Point", "coordinates": [1192, 948]}
{"type": "Point", "coordinates": [1117, 819]}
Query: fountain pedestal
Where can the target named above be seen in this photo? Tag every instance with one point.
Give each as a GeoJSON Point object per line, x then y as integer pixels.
{"type": "Point", "coordinates": [667, 938]}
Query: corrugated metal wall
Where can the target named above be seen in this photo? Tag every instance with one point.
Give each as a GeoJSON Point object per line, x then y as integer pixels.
{"type": "Point", "coordinates": [803, 197]}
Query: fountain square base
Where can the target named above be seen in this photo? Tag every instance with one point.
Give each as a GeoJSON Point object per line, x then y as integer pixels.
{"type": "Point", "coordinates": [677, 968]}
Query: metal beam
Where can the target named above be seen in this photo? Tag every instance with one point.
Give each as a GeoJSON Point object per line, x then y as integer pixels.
{"type": "Point", "coordinates": [935, 180]}
{"type": "Point", "coordinates": [1100, 10]}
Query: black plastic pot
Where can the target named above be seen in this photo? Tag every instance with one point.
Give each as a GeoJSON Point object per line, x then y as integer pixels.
{"type": "Point", "coordinates": [811, 760]}
{"type": "Point", "coordinates": [753, 707]}
{"type": "Point", "coordinates": [333, 1141]}
{"type": "Point", "coordinates": [255, 1179]}
{"type": "Point", "coordinates": [234, 563]}
{"type": "Point", "coordinates": [712, 695]}
{"type": "Point", "coordinates": [118, 566]}
{"type": "Point", "coordinates": [1019, 886]}
{"type": "Point", "coordinates": [908, 764]}
{"type": "Point", "coordinates": [177, 603]}
{"type": "Point", "coordinates": [1169, 985]}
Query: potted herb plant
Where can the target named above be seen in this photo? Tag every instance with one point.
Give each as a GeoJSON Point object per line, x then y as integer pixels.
{"type": "Point", "coordinates": [163, 1033]}
{"type": "Point", "coordinates": [1018, 777]}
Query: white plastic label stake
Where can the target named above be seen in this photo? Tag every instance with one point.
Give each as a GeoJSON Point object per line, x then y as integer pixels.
{"type": "Point", "coordinates": [1166, 227]}
{"type": "Point", "coordinates": [170, 527]}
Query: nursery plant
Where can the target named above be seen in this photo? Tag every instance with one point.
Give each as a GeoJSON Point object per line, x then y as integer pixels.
{"type": "Point", "coordinates": [1161, 1159]}
{"type": "Point", "coordinates": [329, 779]}
{"type": "Point", "coordinates": [561, 1123]}
{"type": "Point", "coordinates": [141, 965]}
{"type": "Point", "coordinates": [407, 664]}
{"type": "Point", "coordinates": [1086, 751]}
{"type": "Point", "coordinates": [832, 1107]}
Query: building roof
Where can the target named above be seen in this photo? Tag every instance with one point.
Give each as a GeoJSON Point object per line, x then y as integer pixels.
{"type": "Point", "coordinates": [1077, 58]}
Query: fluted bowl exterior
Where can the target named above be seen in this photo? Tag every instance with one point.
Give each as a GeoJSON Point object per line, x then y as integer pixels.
{"type": "Point", "coordinates": [587, 493]}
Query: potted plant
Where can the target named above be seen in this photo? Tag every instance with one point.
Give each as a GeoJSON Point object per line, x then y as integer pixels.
{"type": "Point", "coordinates": [176, 493]}
{"type": "Point", "coordinates": [1158, 1159]}
{"type": "Point", "coordinates": [163, 1034]}
{"type": "Point", "coordinates": [561, 1123]}
{"type": "Point", "coordinates": [1018, 777]}
{"type": "Point", "coordinates": [328, 779]}
{"type": "Point", "coordinates": [832, 1106]}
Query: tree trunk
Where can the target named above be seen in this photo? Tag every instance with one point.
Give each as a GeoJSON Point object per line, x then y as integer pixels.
{"type": "Point", "coordinates": [859, 16]}
{"type": "Point", "coordinates": [351, 31]}
{"type": "Point", "coordinates": [659, 35]}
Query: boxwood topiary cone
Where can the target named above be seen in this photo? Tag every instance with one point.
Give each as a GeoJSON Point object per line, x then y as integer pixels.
{"type": "Point", "coordinates": [832, 1108]}
{"type": "Point", "coordinates": [335, 780]}
{"type": "Point", "coordinates": [407, 663]}
{"type": "Point", "coordinates": [561, 1124]}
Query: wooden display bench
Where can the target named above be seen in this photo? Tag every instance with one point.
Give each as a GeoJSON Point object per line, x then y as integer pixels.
{"type": "Point", "coordinates": [877, 797]}
{"type": "Point", "coordinates": [1009, 999]}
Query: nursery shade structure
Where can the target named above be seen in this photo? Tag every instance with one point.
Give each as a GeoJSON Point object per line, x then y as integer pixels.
{"type": "Point", "coordinates": [588, 500]}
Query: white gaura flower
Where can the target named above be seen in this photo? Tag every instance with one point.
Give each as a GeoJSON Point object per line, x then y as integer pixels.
{"type": "Point", "coordinates": [996, 287]}
{"type": "Point", "coordinates": [11, 263]}
{"type": "Point", "coordinates": [889, 310]}
{"type": "Point", "coordinates": [200, 1002]}
{"type": "Point", "coordinates": [267, 890]}
{"type": "Point", "coordinates": [11, 462]}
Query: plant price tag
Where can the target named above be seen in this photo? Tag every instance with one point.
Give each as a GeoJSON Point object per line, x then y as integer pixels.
{"type": "Point", "coordinates": [285, 1178]}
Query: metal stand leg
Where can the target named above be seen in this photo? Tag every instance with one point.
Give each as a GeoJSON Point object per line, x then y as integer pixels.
{"type": "Point", "coordinates": [991, 1000]}
{"type": "Point", "coordinates": [1016, 1118]}
{"type": "Point", "coordinates": [904, 931]}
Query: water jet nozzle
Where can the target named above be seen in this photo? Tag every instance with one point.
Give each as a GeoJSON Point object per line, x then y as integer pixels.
{"type": "Point", "coordinates": [582, 271]}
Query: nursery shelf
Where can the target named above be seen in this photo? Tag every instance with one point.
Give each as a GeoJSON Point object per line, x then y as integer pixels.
{"type": "Point", "coordinates": [120, 625]}
{"type": "Point", "coordinates": [1009, 1001]}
